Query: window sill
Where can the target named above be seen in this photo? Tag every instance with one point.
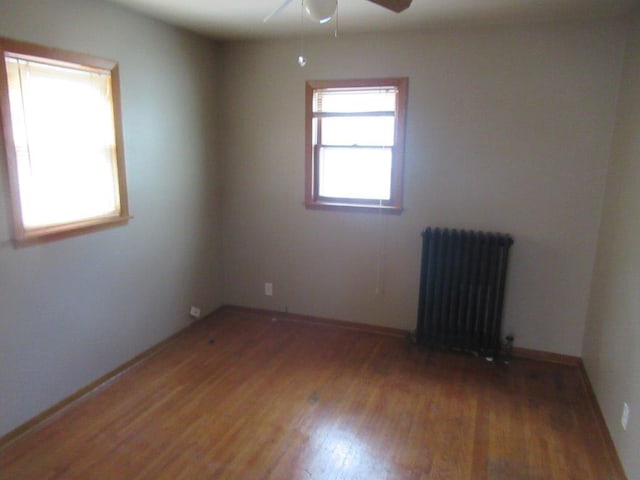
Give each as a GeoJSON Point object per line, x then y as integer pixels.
{"type": "Point", "coordinates": [353, 207]}
{"type": "Point", "coordinates": [46, 234]}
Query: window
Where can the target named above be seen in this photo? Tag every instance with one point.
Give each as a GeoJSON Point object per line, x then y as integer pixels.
{"type": "Point", "coordinates": [63, 141]}
{"type": "Point", "coordinates": [355, 144]}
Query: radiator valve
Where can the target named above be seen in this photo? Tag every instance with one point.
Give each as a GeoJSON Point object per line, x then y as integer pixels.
{"type": "Point", "coordinates": [508, 344]}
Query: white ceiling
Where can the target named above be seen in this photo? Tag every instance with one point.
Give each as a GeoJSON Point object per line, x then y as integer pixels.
{"type": "Point", "coordinates": [234, 19]}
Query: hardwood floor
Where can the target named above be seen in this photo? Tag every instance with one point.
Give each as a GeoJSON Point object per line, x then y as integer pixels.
{"type": "Point", "coordinates": [289, 400]}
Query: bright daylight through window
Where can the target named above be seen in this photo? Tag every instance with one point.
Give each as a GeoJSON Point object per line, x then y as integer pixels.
{"type": "Point", "coordinates": [355, 144]}
{"type": "Point", "coordinates": [62, 138]}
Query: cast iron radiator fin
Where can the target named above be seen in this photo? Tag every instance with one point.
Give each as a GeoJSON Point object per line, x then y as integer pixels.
{"type": "Point", "coordinates": [462, 285]}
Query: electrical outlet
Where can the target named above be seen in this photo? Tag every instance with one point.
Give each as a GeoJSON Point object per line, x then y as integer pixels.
{"type": "Point", "coordinates": [625, 415]}
{"type": "Point", "coordinates": [268, 289]}
{"type": "Point", "coordinates": [194, 312]}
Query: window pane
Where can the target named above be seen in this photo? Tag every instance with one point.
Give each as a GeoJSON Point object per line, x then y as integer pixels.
{"type": "Point", "coordinates": [65, 142]}
{"type": "Point", "coordinates": [66, 187]}
{"type": "Point", "coordinates": [363, 173]}
{"type": "Point", "coordinates": [365, 131]}
{"type": "Point", "coordinates": [355, 100]}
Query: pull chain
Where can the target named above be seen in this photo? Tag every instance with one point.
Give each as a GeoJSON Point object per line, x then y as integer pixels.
{"type": "Point", "coordinates": [302, 60]}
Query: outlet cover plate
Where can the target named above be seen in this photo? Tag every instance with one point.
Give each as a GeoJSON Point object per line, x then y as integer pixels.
{"type": "Point", "coordinates": [194, 312]}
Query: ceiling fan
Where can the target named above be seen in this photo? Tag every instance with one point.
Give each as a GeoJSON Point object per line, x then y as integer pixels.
{"type": "Point", "coordinates": [323, 10]}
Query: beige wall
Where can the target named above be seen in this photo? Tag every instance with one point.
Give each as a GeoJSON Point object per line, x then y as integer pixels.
{"type": "Point", "coordinates": [612, 337]}
{"type": "Point", "coordinates": [72, 310]}
{"type": "Point", "coordinates": [509, 129]}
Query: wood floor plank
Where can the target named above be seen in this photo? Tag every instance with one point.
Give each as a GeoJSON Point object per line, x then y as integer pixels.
{"type": "Point", "coordinates": [241, 396]}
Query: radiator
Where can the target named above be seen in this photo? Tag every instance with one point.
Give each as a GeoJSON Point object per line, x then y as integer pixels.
{"type": "Point", "coordinates": [462, 287]}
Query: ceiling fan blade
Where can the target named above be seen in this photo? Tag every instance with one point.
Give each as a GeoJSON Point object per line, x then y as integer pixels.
{"type": "Point", "coordinates": [284, 5]}
{"type": "Point", "coordinates": [394, 5]}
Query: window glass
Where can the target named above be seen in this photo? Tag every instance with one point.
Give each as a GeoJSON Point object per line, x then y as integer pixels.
{"type": "Point", "coordinates": [355, 173]}
{"type": "Point", "coordinates": [358, 130]}
{"type": "Point", "coordinates": [64, 140]}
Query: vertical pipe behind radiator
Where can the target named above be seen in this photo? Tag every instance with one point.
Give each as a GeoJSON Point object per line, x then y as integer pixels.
{"type": "Point", "coordinates": [462, 285]}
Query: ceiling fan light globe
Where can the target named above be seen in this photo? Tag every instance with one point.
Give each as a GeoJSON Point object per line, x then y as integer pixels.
{"type": "Point", "coordinates": [321, 10]}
